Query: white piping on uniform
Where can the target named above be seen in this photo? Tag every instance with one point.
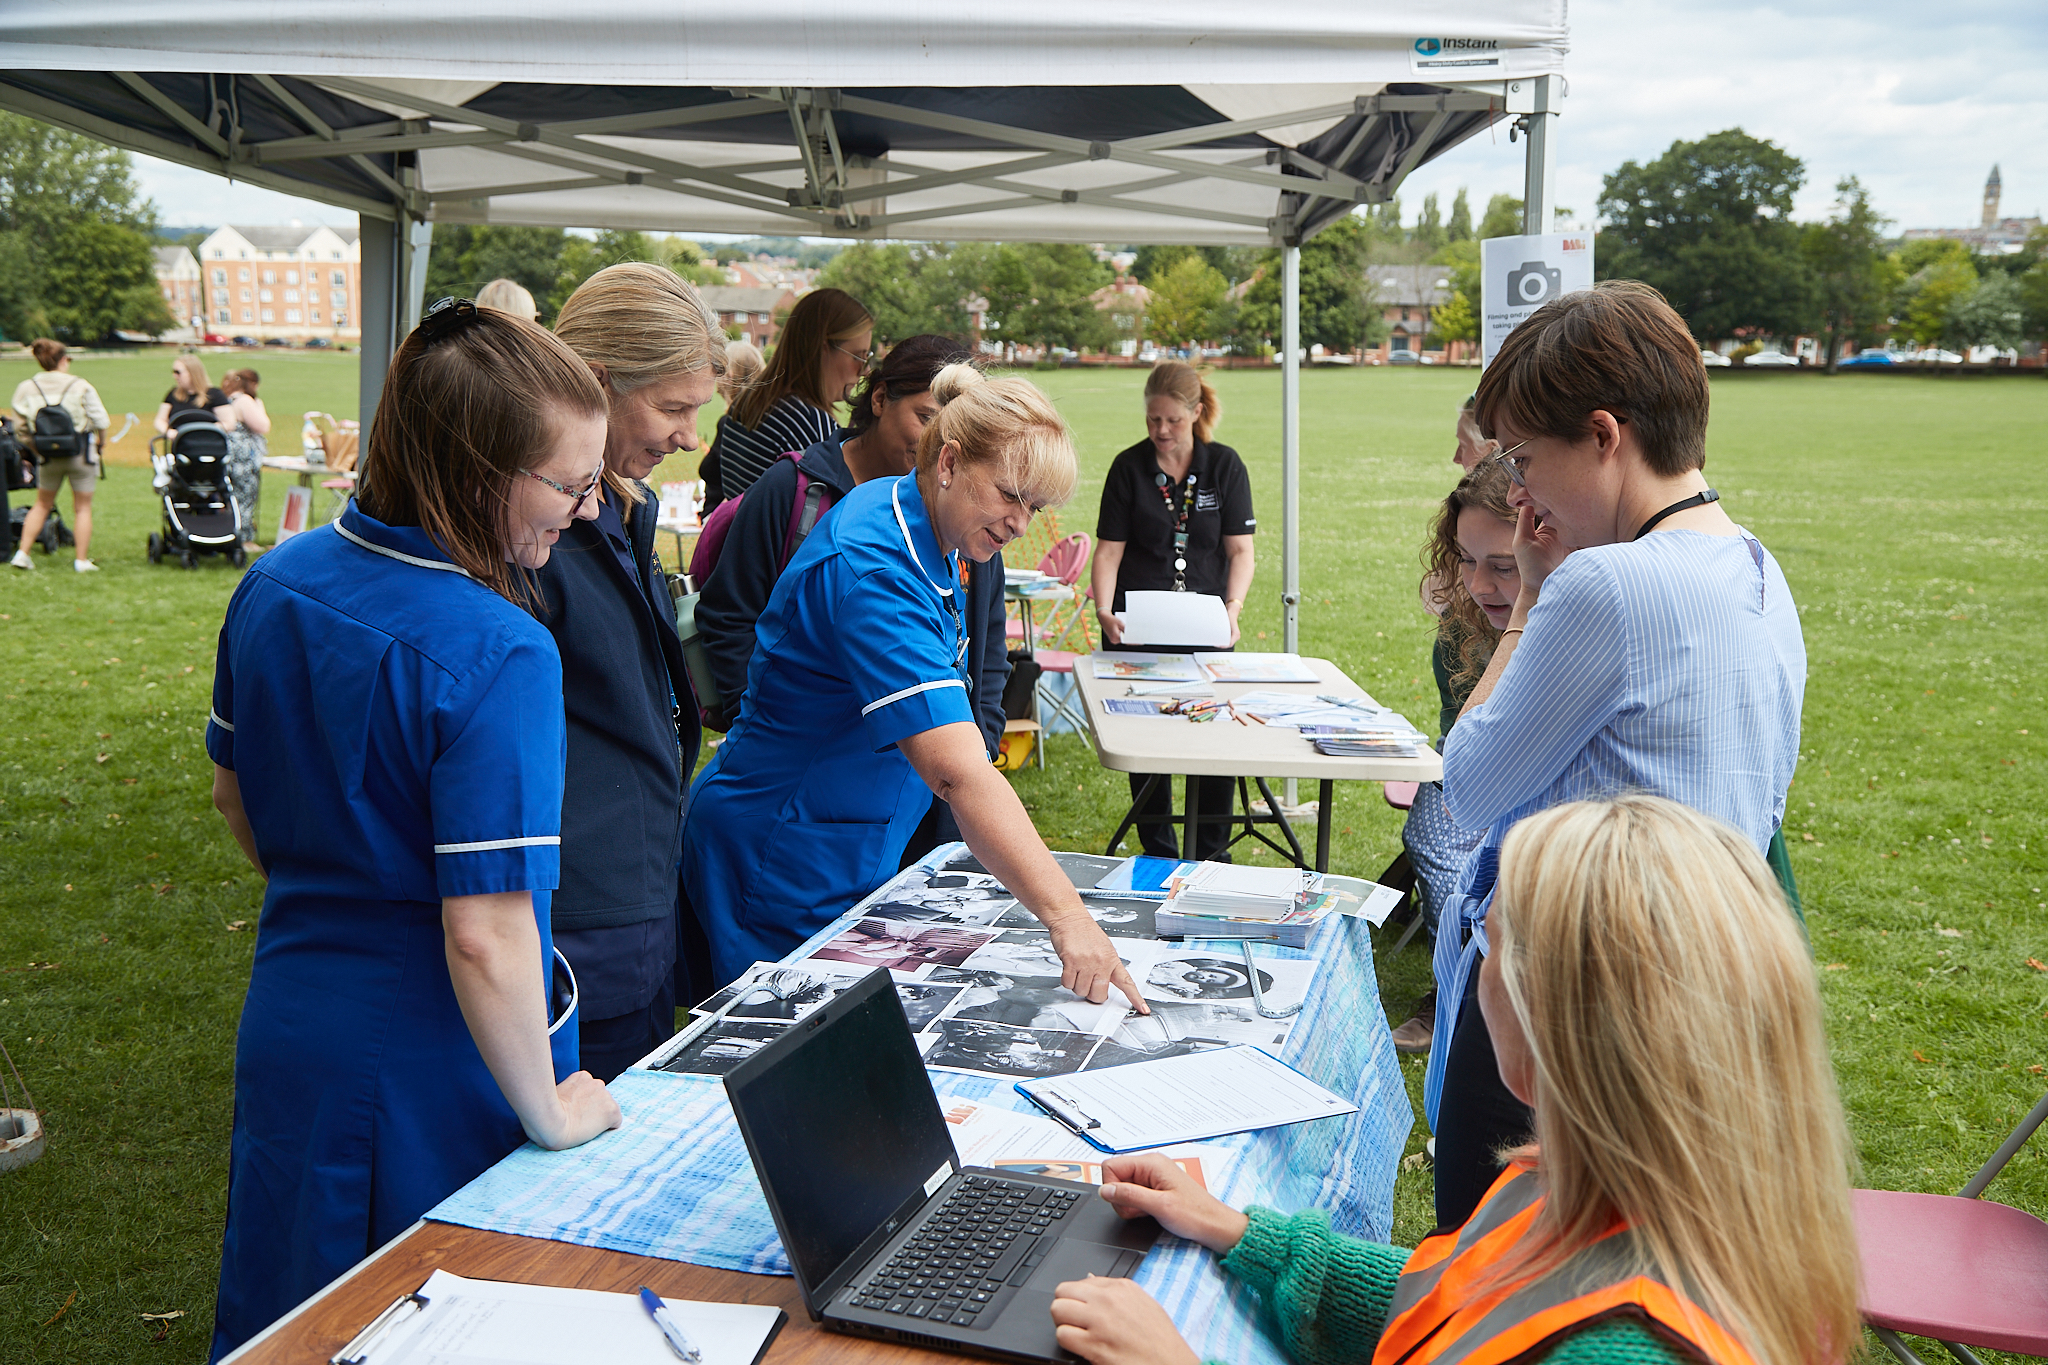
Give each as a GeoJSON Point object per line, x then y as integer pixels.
{"type": "Point", "coordinates": [913, 691]}
{"type": "Point", "coordinates": [376, 549]}
{"type": "Point", "coordinates": [214, 716]}
{"type": "Point", "coordinates": [905, 527]}
{"type": "Point", "coordinates": [486, 845]}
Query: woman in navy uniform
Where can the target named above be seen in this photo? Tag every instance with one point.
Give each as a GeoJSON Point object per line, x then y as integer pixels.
{"type": "Point", "coordinates": [858, 708]}
{"type": "Point", "coordinates": [388, 744]}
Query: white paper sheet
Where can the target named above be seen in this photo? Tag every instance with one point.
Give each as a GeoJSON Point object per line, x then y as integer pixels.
{"type": "Point", "coordinates": [1181, 1099]}
{"type": "Point", "coordinates": [492, 1322]}
{"type": "Point", "coordinates": [1175, 618]}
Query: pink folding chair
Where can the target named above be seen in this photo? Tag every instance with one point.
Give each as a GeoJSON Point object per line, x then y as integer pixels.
{"type": "Point", "coordinates": [1963, 1270]}
{"type": "Point", "coordinates": [1066, 561]}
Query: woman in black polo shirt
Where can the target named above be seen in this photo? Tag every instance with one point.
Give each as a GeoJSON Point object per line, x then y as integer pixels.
{"type": "Point", "coordinates": [1176, 517]}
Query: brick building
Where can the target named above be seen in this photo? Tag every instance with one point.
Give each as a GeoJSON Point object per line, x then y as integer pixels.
{"type": "Point", "coordinates": [296, 282]}
{"type": "Point", "coordinates": [752, 309]}
{"type": "Point", "coordinates": [178, 276]}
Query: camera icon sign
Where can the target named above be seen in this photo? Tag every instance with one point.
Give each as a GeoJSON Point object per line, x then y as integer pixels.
{"type": "Point", "coordinates": [1534, 283]}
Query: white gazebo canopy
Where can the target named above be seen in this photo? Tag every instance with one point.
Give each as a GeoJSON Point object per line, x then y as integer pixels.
{"type": "Point", "coordinates": [1207, 122]}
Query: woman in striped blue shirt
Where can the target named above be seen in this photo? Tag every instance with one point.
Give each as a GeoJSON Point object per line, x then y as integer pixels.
{"type": "Point", "coordinates": [1653, 647]}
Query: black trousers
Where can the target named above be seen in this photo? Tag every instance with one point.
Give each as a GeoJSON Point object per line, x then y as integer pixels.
{"type": "Point", "coordinates": [607, 1047]}
{"type": "Point", "coordinates": [1219, 801]}
{"type": "Point", "coordinates": [1476, 1115]}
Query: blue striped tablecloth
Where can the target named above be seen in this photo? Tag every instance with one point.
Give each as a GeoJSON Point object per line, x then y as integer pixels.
{"type": "Point", "coordinates": [676, 1181]}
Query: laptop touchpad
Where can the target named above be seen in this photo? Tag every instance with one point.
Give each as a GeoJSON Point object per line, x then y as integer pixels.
{"type": "Point", "coordinates": [1076, 1260]}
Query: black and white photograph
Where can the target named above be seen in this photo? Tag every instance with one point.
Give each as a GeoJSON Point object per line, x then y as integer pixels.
{"type": "Point", "coordinates": [903, 947]}
{"type": "Point", "coordinates": [1118, 917]}
{"type": "Point", "coordinates": [1197, 976]}
{"type": "Point", "coordinates": [722, 1047]}
{"type": "Point", "coordinates": [1117, 1051]}
{"type": "Point", "coordinates": [999, 1050]}
{"type": "Point", "coordinates": [719, 999]}
{"type": "Point", "coordinates": [1037, 1002]}
{"type": "Point", "coordinates": [1019, 953]}
{"type": "Point", "coordinates": [946, 896]}
{"type": "Point", "coordinates": [789, 993]}
{"type": "Point", "coordinates": [924, 1002]}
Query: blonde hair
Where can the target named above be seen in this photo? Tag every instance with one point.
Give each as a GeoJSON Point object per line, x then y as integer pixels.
{"type": "Point", "coordinates": [1682, 1074]}
{"type": "Point", "coordinates": [1007, 422]}
{"type": "Point", "coordinates": [633, 324]}
{"type": "Point", "coordinates": [195, 375]}
{"type": "Point", "coordinates": [1185, 384]}
{"type": "Point", "coordinates": [742, 364]}
{"type": "Point", "coordinates": [508, 296]}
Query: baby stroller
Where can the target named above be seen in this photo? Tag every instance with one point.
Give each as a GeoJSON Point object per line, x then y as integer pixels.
{"type": "Point", "coordinates": [201, 516]}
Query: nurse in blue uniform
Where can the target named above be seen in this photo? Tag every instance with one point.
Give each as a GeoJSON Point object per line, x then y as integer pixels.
{"type": "Point", "coordinates": [387, 734]}
{"type": "Point", "coordinates": [858, 707]}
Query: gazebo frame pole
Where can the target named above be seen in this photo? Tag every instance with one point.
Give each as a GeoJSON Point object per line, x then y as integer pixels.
{"type": "Point", "coordinates": [1539, 163]}
{"type": "Point", "coordinates": [1290, 457]}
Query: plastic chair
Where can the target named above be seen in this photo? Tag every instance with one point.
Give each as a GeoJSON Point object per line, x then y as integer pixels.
{"type": "Point", "coordinates": [1400, 795]}
{"type": "Point", "coordinates": [1963, 1270]}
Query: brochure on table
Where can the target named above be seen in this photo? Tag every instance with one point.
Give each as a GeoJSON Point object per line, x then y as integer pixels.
{"type": "Point", "coordinates": [1184, 1099]}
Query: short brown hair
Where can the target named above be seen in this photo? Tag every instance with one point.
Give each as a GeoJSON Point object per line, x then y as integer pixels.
{"type": "Point", "coordinates": [461, 415]}
{"type": "Point", "coordinates": [48, 353]}
{"type": "Point", "coordinates": [821, 318]}
{"type": "Point", "coordinates": [1617, 346]}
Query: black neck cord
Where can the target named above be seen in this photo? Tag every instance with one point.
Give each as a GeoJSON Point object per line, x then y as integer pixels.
{"type": "Point", "coordinates": [1700, 499]}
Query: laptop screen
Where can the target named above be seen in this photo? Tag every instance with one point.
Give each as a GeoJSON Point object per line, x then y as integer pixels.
{"type": "Point", "coordinates": [843, 1126]}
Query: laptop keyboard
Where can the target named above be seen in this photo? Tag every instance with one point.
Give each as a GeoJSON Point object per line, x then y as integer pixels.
{"type": "Point", "coordinates": [987, 1234]}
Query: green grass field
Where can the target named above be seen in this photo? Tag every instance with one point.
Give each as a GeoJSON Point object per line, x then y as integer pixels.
{"type": "Point", "coordinates": [1907, 512]}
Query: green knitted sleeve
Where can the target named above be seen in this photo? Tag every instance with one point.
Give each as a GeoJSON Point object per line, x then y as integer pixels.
{"type": "Point", "coordinates": [1327, 1293]}
{"type": "Point", "coordinates": [1618, 1341]}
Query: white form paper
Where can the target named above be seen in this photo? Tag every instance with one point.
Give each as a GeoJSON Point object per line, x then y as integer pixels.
{"type": "Point", "coordinates": [1185, 1099]}
{"type": "Point", "coordinates": [1175, 618]}
{"type": "Point", "coordinates": [493, 1322]}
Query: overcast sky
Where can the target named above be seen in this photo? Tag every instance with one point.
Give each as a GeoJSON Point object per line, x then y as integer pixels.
{"type": "Point", "coordinates": [1918, 99]}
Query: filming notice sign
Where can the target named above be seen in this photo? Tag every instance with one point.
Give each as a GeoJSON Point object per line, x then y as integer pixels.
{"type": "Point", "coordinates": [1518, 275]}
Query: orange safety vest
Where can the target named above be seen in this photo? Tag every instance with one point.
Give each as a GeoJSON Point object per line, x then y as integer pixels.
{"type": "Point", "coordinates": [1437, 1317]}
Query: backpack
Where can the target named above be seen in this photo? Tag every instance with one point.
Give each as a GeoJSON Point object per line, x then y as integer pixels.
{"type": "Point", "coordinates": [55, 436]}
{"type": "Point", "coordinates": [813, 500]}
{"type": "Point", "coordinates": [17, 464]}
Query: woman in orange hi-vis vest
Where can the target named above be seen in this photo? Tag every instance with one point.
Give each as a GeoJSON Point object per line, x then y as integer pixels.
{"type": "Point", "coordinates": [1687, 1197]}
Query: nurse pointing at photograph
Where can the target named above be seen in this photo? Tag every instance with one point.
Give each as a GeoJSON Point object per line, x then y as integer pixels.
{"type": "Point", "coordinates": [858, 708]}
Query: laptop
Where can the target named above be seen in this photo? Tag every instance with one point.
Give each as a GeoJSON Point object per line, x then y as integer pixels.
{"type": "Point", "coordinates": [888, 1235]}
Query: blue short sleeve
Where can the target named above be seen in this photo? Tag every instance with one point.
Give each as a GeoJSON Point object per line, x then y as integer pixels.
{"type": "Point", "coordinates": [898, 646]}
{"type": "Point", "coordinates": [220, 721]}
{"type": "Point", "coordinates": [495, 791]}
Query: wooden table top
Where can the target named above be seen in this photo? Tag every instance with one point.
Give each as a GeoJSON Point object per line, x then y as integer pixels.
{"type": "Point", "coordinates": [1223, 748]}
{"type": "Point", "coordinates": [326, 1322]}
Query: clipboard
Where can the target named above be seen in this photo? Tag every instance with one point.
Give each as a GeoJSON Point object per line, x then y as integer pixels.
{"type": "Point", "coordinates": [1143, 1105]}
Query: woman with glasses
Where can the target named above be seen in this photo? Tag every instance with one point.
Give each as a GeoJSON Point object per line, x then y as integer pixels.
{"type": "Point", "coordinates": [823, 349]}
{"type": "Point", "coordinates": [859, 707]}
{"type": "Point", "coordinates": [1653, 647]}
{"type": "Point", "coordinates": [387, 742]}
{"type": "Point", "coordinates": [657, 353]}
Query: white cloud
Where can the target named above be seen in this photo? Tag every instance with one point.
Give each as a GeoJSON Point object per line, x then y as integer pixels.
{"type": "Point", "coordinates": [193, 198]}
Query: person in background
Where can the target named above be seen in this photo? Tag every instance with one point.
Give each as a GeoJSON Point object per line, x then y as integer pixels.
{"type": "Point", "coordinates": [508, 296]}
{"type": "Point", "coordinates": [1654, 647]}
{"type": "Point", "coordinates": [1472, 447]}
{"type": "Point", "coordinates": [743, 364]}
{"type": "Point", "coordinates": [890, 413]}
{"type": "Point", "coordinates": [57, 385]}
{"type": "Point", "coordinates": [1470, 582]}
{"type": "Point", "coordinates": [656, 351]}
{"type": "Point", "coordinates": [248, 443]}
{"type": "Point", "coordinates": [857, 708]}
{"type": "Point", "coordinates": [824, 348]}
{"type": "Point", "coordinates": [407, 1023]}
{"type": "Point", "coordinates": [1686, 1198]}
{"type": "Point", "coordinates": [192, 392]}
{"type": "Point", "coordinates": [1176, 516]}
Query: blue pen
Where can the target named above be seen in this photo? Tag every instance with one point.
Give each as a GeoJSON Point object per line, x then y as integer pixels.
{"type": "Point", "coordinates": [670, 1333]}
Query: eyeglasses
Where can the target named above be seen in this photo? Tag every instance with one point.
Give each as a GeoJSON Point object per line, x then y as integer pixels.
{"type": "Point", "coordinates": [581, 495]}
{"type": "Point", "coordinates": [866, 358]}
{"type": "Point", "coordinates": [1513, 465]}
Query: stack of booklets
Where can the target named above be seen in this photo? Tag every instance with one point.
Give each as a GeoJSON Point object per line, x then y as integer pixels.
{"type": "Point", "coordinates": [1322, 895]}
{"type": "Point", "coordinates": [1238, 891]}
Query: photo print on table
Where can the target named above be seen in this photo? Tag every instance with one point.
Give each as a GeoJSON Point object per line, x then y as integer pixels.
{"type": "Point", "coordinates": [1000, 1050]}
{"type": "Point", "coordinates": [1119, 918]}
{"type": "Point", "coordinates": [722, 1047]}
{"type": "Point", "coordinates": [1173, 972]}
{"type": "Point", "coordinates": [789, 993]}
{"type": "Point", "coordinates": [1039, 1002]}
{"type": "Point", "coordinates": [719, 999]}
{"type": "Point", "coordinates": [945, 896]}
{"type": "Point", "coordinates": [1180, 1030]}
{"type": "Point", "coordinates": [903, 947]}
{"type": "Point", "coordinates": [924, 1002]}
{"type": "Point", "coordinates": [1019, 953]}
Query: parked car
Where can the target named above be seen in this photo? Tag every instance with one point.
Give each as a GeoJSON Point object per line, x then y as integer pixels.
{"type": "Point", "coordinates": [318, 343]}
{"type": "Point", "coordinates": [278, 341]}
{"type": "Point", "coordinates": [1714, 360]}
{"type": "Point", "coordinates": [243, 341]}
{"type": "Point", "coordinates": [1771, 360]}
{"type": "Point", "coordinates": [1403, 358]}
{"type": "Point", "coordinates": [1867, 359]}
{"type": "Point", "coordinates": [1934, 355]}
{"type": "Point", "coordinates": [213, 339]}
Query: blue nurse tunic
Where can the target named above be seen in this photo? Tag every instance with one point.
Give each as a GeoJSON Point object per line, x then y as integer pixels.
{"type": "Point", "coordinates": [396, 728]}
{"type": "Point", "coordinates": [809, 804]}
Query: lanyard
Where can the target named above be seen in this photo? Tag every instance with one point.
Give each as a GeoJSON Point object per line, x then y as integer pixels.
{"type": "Point", "coordinates": [1180, 524]}
{"type": "Point", "coordinates": [1696, 500]}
